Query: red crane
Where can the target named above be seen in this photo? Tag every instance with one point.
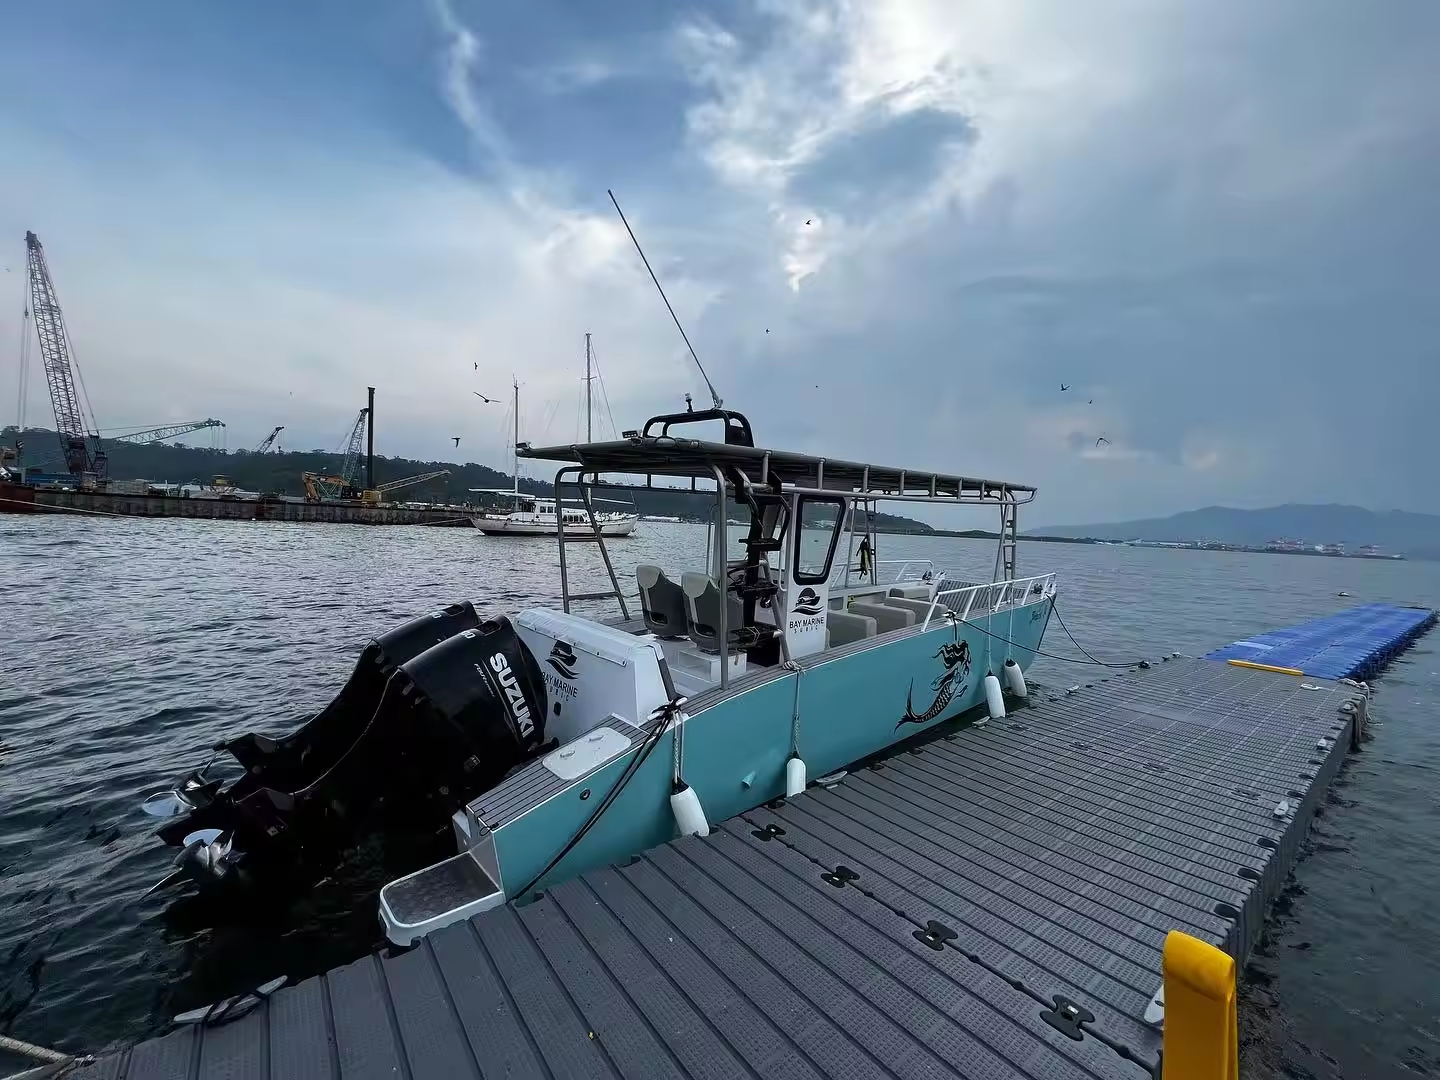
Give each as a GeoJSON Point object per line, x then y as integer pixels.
{"type": "Point", "coordinates": [79, 439]}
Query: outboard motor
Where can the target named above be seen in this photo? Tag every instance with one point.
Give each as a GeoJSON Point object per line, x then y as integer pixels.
{"type": "Point", "coordinates": [296, 760]}
{"type": "Point", "coordinates": [436, 712]}
{"type": "Point", "coordinates": [466, 713]}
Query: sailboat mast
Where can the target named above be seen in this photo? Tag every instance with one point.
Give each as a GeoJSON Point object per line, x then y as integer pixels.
{"type": "Point", "coordinates": [517, 437]}
{"type": "Point", "coordinates": [589, 436]}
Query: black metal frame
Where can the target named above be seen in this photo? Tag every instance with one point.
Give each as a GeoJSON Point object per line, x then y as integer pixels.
{"type": "Point", "coordinates": [760, 479]}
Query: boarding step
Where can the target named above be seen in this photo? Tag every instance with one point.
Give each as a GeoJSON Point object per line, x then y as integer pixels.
{"type": "Point", "coordinates": [419, 903]}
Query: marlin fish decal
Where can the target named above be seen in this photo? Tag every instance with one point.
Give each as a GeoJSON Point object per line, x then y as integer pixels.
{"type": "Point", "coordinates": [956, 657]}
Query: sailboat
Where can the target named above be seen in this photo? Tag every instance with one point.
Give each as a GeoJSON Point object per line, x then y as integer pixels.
{"type": "Point", "coordinates": [535, 515]}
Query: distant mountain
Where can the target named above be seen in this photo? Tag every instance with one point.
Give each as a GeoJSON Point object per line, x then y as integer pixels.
{"type": "Point", "coordinates": [1393, 531]}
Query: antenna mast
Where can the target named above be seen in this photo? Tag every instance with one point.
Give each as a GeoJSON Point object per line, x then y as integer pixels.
{"type": "Point", "coordinates": [714, 397]}
{"type": "Point", "coordinates": [589, 435]}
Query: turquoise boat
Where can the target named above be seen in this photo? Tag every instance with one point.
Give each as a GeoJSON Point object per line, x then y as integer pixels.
{"type": "Point", "coordinates": [560, 740]}
{"type": "Point", "coordinates": [733, 680]}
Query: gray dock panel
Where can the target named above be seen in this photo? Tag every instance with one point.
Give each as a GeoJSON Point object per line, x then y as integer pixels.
{"type": "Point", "coordinates": [918, 919]}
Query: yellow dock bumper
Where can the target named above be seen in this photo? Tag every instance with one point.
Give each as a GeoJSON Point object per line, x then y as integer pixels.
{"type": "Point", "coordinates": [1201, 1041]}
{"type": "Point", "coordinates": [1266, 667]}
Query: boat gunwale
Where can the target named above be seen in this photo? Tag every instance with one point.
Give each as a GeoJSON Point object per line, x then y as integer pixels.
{"type": "Point", "coordinates": [715, 696]}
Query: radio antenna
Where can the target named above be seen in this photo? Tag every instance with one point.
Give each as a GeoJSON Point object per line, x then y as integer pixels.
{"type": "Point", "coordinates": [714, 397]}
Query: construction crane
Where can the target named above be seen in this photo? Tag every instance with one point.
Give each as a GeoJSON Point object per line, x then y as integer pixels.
{"type": "Point", "coordinates": [352, 450]}
{"type": "Point", "coordinates": [374, 496]}
{"type": "Point", "coordinates": [164, 434]}
{"type": "Point", "coordinates": [319, 487]}
{"type": "Point", "coordinates": [269, 440]}
{"type": "Point", "coordinates": [79, 439]}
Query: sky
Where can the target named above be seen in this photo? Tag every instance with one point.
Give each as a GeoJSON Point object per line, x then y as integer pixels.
{"type": "Point", "coordinates": [893, 229]}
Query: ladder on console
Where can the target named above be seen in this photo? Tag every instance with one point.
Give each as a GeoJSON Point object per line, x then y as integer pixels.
{"type": "Point", "coordinates": [596, 538]}
{"type": "Point", "coordinates": [1009, 537]}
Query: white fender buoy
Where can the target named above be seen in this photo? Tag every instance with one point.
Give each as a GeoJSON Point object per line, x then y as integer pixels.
{"type": "Point", "coordinates": [794, 776]}
{"type": "Point", "coordinates": [1015, 679]}
{"type": "Point", "coordinates": [689, 814]}
{"type": "Point", "coordinates": [994, 700]}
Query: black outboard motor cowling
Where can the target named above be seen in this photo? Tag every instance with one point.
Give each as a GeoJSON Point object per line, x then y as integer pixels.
{"type": "Point", "coordinates": [297, 759]}
{"type": "Point", "coordinates": [470, 710]}
{"type": "Point", "coordinates": [451, 722]}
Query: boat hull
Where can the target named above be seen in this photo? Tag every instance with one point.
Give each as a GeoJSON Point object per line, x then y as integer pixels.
{"type": "Point", "coordinates": [506, 527]}
{"type": "Point", "coordinates": [852, 702]}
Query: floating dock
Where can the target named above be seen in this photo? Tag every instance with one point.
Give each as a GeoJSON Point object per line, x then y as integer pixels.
{"type": "Point", "coordinates": [1354, 644]}
{"type": "Point", "coordinates": [991, 903]}
{"type": "Point", "coordinates": [21, 499]}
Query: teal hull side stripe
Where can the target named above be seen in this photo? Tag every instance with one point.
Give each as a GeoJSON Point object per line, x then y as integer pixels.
{"type": "Point", "coordinates": [852, 706]}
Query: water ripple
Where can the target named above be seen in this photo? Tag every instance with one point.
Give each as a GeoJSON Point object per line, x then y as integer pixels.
{"type": "Point", "coordinates": [129, 647]}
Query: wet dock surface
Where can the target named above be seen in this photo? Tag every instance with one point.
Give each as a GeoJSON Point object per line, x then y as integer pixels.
{"type": "Point", "coordinates": [990, 904]}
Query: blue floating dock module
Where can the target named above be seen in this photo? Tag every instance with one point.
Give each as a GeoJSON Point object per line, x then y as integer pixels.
{"type": "Point", "coordinates": [1354, 644]}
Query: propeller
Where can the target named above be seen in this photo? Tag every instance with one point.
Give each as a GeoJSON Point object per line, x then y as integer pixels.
{"type": "Point", "coordinates": [166, 804]}
{"type": "Point", "coordinates": [197, 789]}
{"type": "Point", "coordinates": [205, 853]}
{"type": "Point", "coordinates": [206, 857]}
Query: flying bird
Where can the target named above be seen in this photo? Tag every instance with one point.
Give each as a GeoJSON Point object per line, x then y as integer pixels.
{"type": "Point", "coordinates": [767, 330]}
{"type": "Point", "coordinates": [477, 365]}
{"type": "Point", "coordinates": [1098, 441]}
{"type": "Point", "coordinates": [807, 221]}
{"type": "Point", "coordinates": [1063, 388]}
{"type": "Point", "coordinates": [482, 397]}
{"type": "Point", "coordinates": [457, 439]}
{"type": "Point", "coordinates": [1090, 402]}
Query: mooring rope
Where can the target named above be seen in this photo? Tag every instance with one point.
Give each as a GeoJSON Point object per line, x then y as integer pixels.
{"type": "Point", "coordinates": [1083, 651]}
{"type": "Point", "coordinates": [797, 670]}
{"type": "Point", "coordinates": [1091, 662]}
{"type": "Point", "coordinates": [36, 1053]}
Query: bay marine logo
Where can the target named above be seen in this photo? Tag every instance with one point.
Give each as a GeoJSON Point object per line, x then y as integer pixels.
{"type": "Point", "coordinates": [513, 694]}
{"type": "Point", "coordinates": [562, 659]}
{"type": "Point", "coordinates": [808, 602]}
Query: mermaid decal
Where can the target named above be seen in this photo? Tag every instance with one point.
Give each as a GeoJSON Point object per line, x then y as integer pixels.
{"type": "Point", "coordinates": [956, 657]}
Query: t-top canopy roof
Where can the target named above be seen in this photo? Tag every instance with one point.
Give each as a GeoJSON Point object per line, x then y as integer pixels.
{"type": "Point", "coordinates": [667, 455]}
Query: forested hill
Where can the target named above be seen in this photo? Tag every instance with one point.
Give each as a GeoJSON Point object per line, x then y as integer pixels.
{"type": "Point", "coordinates": [280, 473]}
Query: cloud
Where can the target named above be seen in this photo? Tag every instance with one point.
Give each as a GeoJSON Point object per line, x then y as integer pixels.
{"type": "Point", "coordinates": [1214, 225]}
{"type": "Point", "coordinates": [271, 282]}
{"type": "Point", "coordinates": [1156, 203]}
{"type": "Point", "coordinates": [577, 74]}
{"type": "Point", "coordinates": [460, 64]}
